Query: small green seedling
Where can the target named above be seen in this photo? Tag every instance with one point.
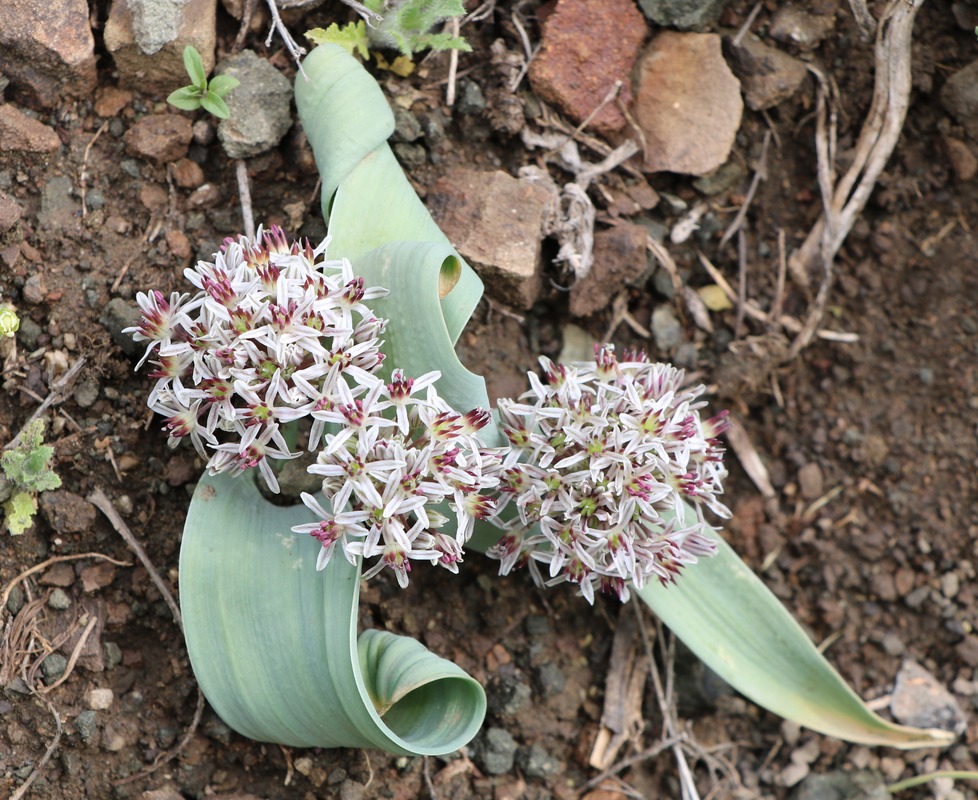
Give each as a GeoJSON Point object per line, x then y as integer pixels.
{"type": "Point", "coordinates": [405, 26]}
{"type": "Point", "coordinates": [9, 322]}
{"type": "Point", "coordinates": [201, 92]}
{"type": "Point", "coordinates": [26, 473]}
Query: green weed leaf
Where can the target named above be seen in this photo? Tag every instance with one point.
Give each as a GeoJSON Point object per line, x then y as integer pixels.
{"type": "Point", "coordinates": [186, 98]}
{"type": "Point", "coordinates": [194, 65]}
{"type": "Point", "coordinates": [351, 37]}
{"type": "Point", "coordinates": [220, 85]}
{"type": "Point", "coordinates": [213, 103]}
{"type": "Point", "coordinates": [19, 511]}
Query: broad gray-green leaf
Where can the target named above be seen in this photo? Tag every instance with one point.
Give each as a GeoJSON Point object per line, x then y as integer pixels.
{"type": "Point", "coordinates": [731, 620]}
{"type": "Point", "coordinates": [273, 642]}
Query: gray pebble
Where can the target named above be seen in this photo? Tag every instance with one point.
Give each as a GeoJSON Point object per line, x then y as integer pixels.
{"type": "Point", "coordinates": [129, 165]}
{"type": "Point", "coordinates": [28, 332]}
{"type": "Point", "coordinates": [917, 597]}
{"type": "Point", "coordinates": [112, 654]}
{"type": "Point", "coordinates": [411, 156]}
{"type": "Point", "coordinates": [71, 762]}
{"type": "Point", "coordinates": [838, 785]}
{"type": "Point", "coordinates": [118, 315]}
{"type": "Point", "coordinates": [59, 600]}
{"type": "Point", "coordinates": [537, 625]}
{"type": "Point", "coordinates": [259, 106]}
{"type": "Point", "coordinates": [406, 126]}
{"type": "Point", "coordinates": [495, 751]}
{"type": "Point", "coordinates": [215, 728]}
{"type": "Point", "coordinates": [666, 329]}
{"type": "Point", "coordinates": [86, 392]}
{"type": "Point", "coordinates": [893, 645]}
{"type": "Point", "coordinates": [53, 667]}
{"type": "Point", "coordinates": [15, 601]}
{"type": "Point", "coordinates": [95, 200]}
{"type": "Point", "coordinates": [471, 99]}
{"type": "Point", "coordinates": [926, 375]}
{"type": "Point", "coordinates": [86, 723]}
{"type": "Point", "coordinates": [117, 127]}
{"type": "Point", "coordinates": [552, 680]}
{"type": "Point", "coordinates": [507, 696]}
{"type": "Point", "coordinates": [536, 762]}
{"type": "Point", "coordinates": [810, 481]}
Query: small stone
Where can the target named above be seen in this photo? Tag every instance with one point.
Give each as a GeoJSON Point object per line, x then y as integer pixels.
{"type": "Point", "coordinates": [410, 156]}
{"type": "Point", "coordinates": [22, 134]}
{"type": "Point", "coordinates": [508, 696]}
{"type": "Point", "coordinates": [118, 315]}
{"type": "Point", "coordinates": [66, 511]}
{"type": "Point", "coordinates": [471, 100]}
{"type": "Point", "coordinates": [10, 212]}
{"type": "Point", "coordinates": [34, 290]}
{"type": "Point", "coordinates": [551, 679]}
{"type": "Point", "coordinates": [59, 600]}
{"type": "Point", "coordinates": [146, 39]}
{"type": "Point", "coordinates": [53, 667]}
{"type": "Point", "coordinates": [682, 14]}
{"type": "Point", "coordinates": [207, 196]}
{"type": "Point", "coordinates": [767, 75]}
{"type": "Point", "coordinates": [687, 103]}
{"type": "Point", "coordinates": [919, 700]}
{"type": "Point", "coordinates": [893, 645]}
{"type": "Point", "coordinates": [260, 106]}
{"type": "Point", "coordinates": [495, 221]}
{"type": "Point", "coordinates": [16, 599]}
{"type": "Point", "coordinates": [794, 773]}
{"type": "Point", "coordinates": [960, 97]}
{"type": "Point", "coordinates": [62, 575]}
{"type": "Point", "coordinates": [585, 48]}
{"type": "Point", "coordinates": [215, 728]}
{"type": "Point", "coordinates": [110, 100]}
{"type": "Point", "coordinates": [59, 210]}
{"type": "Point", "coordinates": [840, 785]}
{"type": "Point", "coordinates": [950, 585]}
{"type": "Point", "coordinates": [811, 483]}
{"type": "Point", "coordinates": [204, 132]}
{"type": "Point", "coordinates": [187, 174]}
{"type": "Point", "coordinates": [303, 765]}
{"type": "Point", "coordinates": [100, 699]}
{"type": "Point", "coordinates": [86, 392]}
{"type": "Point", "coordinates": [495, 751]}
{"type": "Point", "coordinates": [86, 723]}
{"type": "Point", "coordinates": [47, 49]}
{"type": "Point", "coordinates": [167, 792]}
{"type": "Point", "coordinates": [94, 200]}
{"type": "Point", "coordinates": [538, 624]}
{"type": "Point", "coordinates": [805, 30]}
{"type": "Point", "coordinates": [97, 576]}
{"type": "Point", "coordinates": [537, 763]}
{"type": "Point", "coordinates": [963, 161]}
{"type": "Point", "coordinates": [179, 244]}
{"type": "Point", "coordinates": [926, 375]}
{"type": "Point", "coordinates": [720, 180]}
{"type": "Point", "coordinates": [666, 329]}
{"type": "Point", "coordinates": [620, 258]}
{"type": "Point", "coordinates": [160, 138]}
{"type": "Point", "coordinates": [113, 737]}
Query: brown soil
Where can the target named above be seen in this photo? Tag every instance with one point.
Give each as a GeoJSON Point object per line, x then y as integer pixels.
{"type": "Point", "coordinates": [884, 569]}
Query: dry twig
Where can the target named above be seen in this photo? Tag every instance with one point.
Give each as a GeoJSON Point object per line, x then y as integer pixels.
{"type": "Point", "coordinates": [83, 175]}
{"type": "Point", "coordinates": [99, 499]}
{"type": "Point", "coordinates": [295, 50]}
{"type": "Point", "coordinates": [59, 386]}
{"type": "Point", "coordinates": [244, 191]}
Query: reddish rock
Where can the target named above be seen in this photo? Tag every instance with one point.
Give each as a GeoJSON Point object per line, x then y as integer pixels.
{"type": "Point", "coordinates": [793, 24]}
{"type": "Point", "coordinates": [179, 244]}
{"type": "Point", "coordinates": [188, 174]}
{"type": "Point", "coordinates": [963, 161]}
{"type": "Point", "coordinates": [687, 103]}
{"type": "Point", "coordinates": [10, 212]}
{"type": "Point", "coordinates": [110, 100]}
{"type": "Point", "coordinates": [769, 76]}
{"type": "Point", "coordinates": [47, 49]}
{"type": "Point", "coordinates": [494, 220]}
{"type": "Point", "coordinates": [22, 134]}
{"type": "Point", "coordinates": [67, 512]}
{"type": "Point", "coordinates": [160, 138]}
{"type": "Point", "coordinates": [619, 259]}
{"type": "Point", "coordinates": [587, 46]}
{"type": "Point", "coordinates": [149, 54]}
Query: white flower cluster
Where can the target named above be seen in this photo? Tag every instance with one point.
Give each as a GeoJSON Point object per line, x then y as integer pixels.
{"type": "Point", "coordinates": [274, 333]}
{"type": "Point", "coordinates": [395, 458]}
{"type": "Point", "coordinates": [602, 458]}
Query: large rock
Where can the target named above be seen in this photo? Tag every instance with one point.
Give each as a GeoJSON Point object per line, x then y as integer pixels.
{"type": "Point", "coordinates": [260, 106]}
{"type": "Point", "coordinates": [768, 75]}
{"type": "Point", "coordinates": [146, 39]}
{"type": "Point", "coordinates": [47, 49]}
{"type": "Point", "coordinates": [494, 220]}
{"type": "Point", "coordinates": [688, 103]}
{"type": "Point", "coordinates": [960, 97]}
{"type": "Point", "coordinates": [20, 133]}
{"type": "Point", "coordinates": [587, 45]}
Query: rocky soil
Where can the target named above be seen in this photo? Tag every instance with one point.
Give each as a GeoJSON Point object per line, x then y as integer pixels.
{"type": "Point", "coordinates": [863, 515]}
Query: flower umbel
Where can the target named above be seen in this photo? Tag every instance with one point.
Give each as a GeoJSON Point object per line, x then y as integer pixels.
{"type": "Point", "coordinates": [396, 457]}
{"type": "Point", "coordinates": [603, 457]}
{"type": "Point", "coordinates": [274, 333]}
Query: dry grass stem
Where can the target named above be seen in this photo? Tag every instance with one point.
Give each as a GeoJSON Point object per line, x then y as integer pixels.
{"type": "Point", "coordinates": [244, 192]}
{"type": "Point", "coordinates": [746, 453]}
{"type": "Point", "coordinates": [760, 174]}
{"type": "Point", "coordinates": [99, 499]}
{"type": "Point", "coordinates": [53, 395]}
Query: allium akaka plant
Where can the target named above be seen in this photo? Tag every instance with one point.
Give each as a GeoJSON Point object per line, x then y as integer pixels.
{"type": "Point", "coordinates": [383, 476]}
{"type": "Point", "coordinates": [275, 332]}
{"type": "Point", "coordinates": [603, 456]}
